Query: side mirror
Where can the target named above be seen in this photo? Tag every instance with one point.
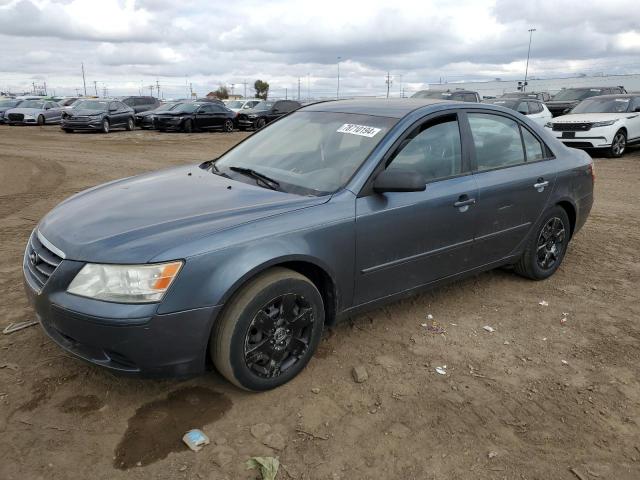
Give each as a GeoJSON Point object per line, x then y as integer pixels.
{"type": "Point", "coordinates": [637, 109]}
{"type": "Point", "coordinates": [399, 181]}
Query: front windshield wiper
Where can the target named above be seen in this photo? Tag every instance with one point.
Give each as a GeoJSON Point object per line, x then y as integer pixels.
{"type": "Point", "coordinates": [267, 181]}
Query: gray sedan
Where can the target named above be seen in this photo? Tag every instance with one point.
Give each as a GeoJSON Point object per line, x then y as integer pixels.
{"type": "Point", "coordinates": [336, 208]}
{"type": "Point", "coordinates": [34, 112]}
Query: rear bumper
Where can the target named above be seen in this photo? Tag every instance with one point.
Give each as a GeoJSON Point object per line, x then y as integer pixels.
{"type": "Point", "coordinates": [126, 339]}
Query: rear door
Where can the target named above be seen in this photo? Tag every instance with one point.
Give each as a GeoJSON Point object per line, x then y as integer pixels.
{"type": "Point", "coordinates": [408, 239]}
{"type": "Point", "coordinates": [219, 115]}
{"type": "Point", "coordinates": [515, 175]}
{"type": "Point", "coordinates": [204, 117]}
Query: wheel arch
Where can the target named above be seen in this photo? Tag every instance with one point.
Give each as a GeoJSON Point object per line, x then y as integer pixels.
{"type": "Point", "coordinates": [571, 210]}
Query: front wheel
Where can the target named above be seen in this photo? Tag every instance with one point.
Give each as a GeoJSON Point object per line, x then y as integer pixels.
{"type": "Point", "coordinates": [188, 126]}
{"type": "Point", "coordinates": [618, 145]}
{"type": "Point", "coordinates": [260, 123]}
{"type": "Point", "coordinates": [130, 124]}
{"type": "Point", "coordinates": [105, 126]}
{"type": "Point", "coordinates": [269, 330]}
{"type": "Point", "coordinates": [41, 120]}
{"type": "Point", "coordinates": [546, 245]}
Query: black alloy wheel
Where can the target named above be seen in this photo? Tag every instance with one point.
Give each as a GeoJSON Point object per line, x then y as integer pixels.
{"type": "Point", "coordinates": [618, 145]}
{"type": "Point", "coordinates": [551, 243]}
{"type": "Point", "coordinates": [228, 125]}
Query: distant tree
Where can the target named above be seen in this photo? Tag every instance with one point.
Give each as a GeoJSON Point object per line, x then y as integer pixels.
{"type": "Point", "coordinates": [262, 89]}
{"type": "Point", "coordinates": [222, 92]}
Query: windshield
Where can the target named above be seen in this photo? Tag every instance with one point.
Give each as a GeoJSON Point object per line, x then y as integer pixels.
{"type": "Point", "coordinates": [32, 104]}
{"type": "Point", "coordinates": [572, 94]}
{"type": "Point", "coordinates": [308, 153]}
{"type": "Point", "coordinates": [512, 104]}
{"type": "Point", "coordinates": [235, 104]}
{"type": "Point", "coordinates": [91, 105]}
{"type": "Point", "coordinates": [67, 102]}
{"type": "Point", "coordinates": [10, 103]}
{"type": "Point", "coordinates": [263, 106]}
{"type": "Point", "coordinates": [166, 107]}
{"type": "Point", "coordinates": [603, 105]}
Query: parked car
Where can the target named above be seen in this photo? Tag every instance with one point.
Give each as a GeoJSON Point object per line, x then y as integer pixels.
{"type": "Point", "coordinates": [265, 112]}
{"type": "Point", "coordinates": [609, 122]}
{"type": "Point", "coordinates": [146, 120]}
{"type": "Point", "coordinates": [101, 115]}
{"type": "Point", "coordinates": [334, 209]}
{"type": "Point", "coordinates": [68, 102]}
{"type": "Point", "coordinates": [34, 112]}
{"type": "Point", "coordinates": [534, 109]}
{"type": "Point", "coordinates": [8, 104]}
{"type": "Point", "coordinates": [457, 95]}
{"type": "Point", "coordinates": [542, 96]}
{"type": "Point", "coordinates": [140, 103]}
{"type": "Point", "coordinates": [192, 116]}
{"type": "Point", "coordinates": [244, 104]}
{"type": "Point", "coordinates": [567, 98]}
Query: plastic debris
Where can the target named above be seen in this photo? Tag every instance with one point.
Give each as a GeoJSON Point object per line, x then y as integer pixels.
{"type": "Point", "coordinates": [195, 439]}
{"type": "Point", "coordinates": [441, 370]}
{"type": "Point", "coordinates": [492, 454]}
{"type": "Point", "coordinates": [429, 316]}
{"type": "Point", "coordinates": [315, 390]}
{"type": "Point", "coordinates": [489, 329]}
{"type": "Point", "coordinates": [564, 362]}
{"type": "Point", "coordinates": [267, 466]}
{"type": "Point", "coordinates": [14, 327]}
{"type": "Point", "coordinates": [563, 320]}
{"type": "Point", "coordinates": [543, 303]}
{"type": "Point", "coordinates": [434, 328]}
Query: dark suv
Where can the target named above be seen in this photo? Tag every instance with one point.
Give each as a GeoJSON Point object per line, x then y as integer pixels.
{"type": "Point", "coordinates": [140, 104]}
{"type": "Point", "coordinates": [265, 112]}
{"type": "Point", "coordinates": [567, 98]}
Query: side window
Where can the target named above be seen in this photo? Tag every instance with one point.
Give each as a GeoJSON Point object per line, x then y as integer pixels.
{"type": "Point", "coordinates": [635, 104]}
{"type": "Point", "coordinates": [129, 102]}
{"type": "Point", "coordinates": [141, 101]}
{"type": "Point", "coordinates": [535, 107]}
{"type": "Point", "coordinates": [121, 106]}
{"type": "Point", "coordinates": [532, 146]}
{"type": "Point", "coordinates": [469, 97]}
{"type": "Point", "coordinates": [523, 107]}
{"type": "Point", "coordinates": [432, 150]}
{"type": "Point", "coordinates": [206, 108]}
{"type": "Point", "coordinates": [217, 108]}
{"type": "Point", "coordinates": [497, 141]}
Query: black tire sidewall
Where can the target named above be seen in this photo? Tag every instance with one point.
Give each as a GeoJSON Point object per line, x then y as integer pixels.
{"type": "Point", "coordinates": [226, 124]}
{"type": "Point", "coordinates": [41, 120]}
{"type": "Point", "coordinates": [188, 126]}
{"type": "Point", "coordinates": [243, 375]}
{"type": "Point", "coordinates": [106, 123]}
{"type": "Point", "coordinates": [131, 124]}
{"type": "Point", "coordinates": [260, 123]}
{"type": "Point", "coordinates": [531, 253]}
{"type": "Point", "coordinates": [613, 155]}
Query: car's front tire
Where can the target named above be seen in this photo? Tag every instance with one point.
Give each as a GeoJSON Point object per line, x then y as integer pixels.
{"type": "Point", "coordinates": [188, 126]}
{"type": "Point", "coordinates": [618, 145]}
{"type": "Point", "coordinates": [268, 331]}
{"type": "Point", "coordinates": [260, 123]}
{"type": "Point", "coordinates": [41, 120]}
{"type": "Point", "coordinates": [130, 124]}
{"type": "Point", "coordinates": [106, 126]}
{"type": "Point", "coordinates": [546, 245]}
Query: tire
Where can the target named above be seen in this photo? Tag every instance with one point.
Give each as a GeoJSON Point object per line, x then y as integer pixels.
{"type": "Point", "coordinates": [554, 225]}
{"type": "Point", "coordinates": [67, 130]}
{"type": "Point", "coordinates": [260, 123]}
{"type": "Point", "coordinates": [241, 325]}
{"type": "Point", "coordinates": [131, 125]}
{"type": "Point", "coordinates": [187, 127]}
{"type": "Point", "coordinates": [105, 126]}
{"type": "Point", "coordinates": [618, 145]}
{"type": "Point", "coordinates": [228, 126]}
{"type": "Point", "coordinates": [41, 120]}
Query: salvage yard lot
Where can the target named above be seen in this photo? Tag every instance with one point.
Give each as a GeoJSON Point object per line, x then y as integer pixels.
{"type": "Point", "coordinates": [531, 400]}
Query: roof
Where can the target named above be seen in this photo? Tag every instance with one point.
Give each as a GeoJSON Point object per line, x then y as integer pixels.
{"type": "Point", "coordinates": [616, 95]}
{"type": "Point", "coordinates": [382, 107]}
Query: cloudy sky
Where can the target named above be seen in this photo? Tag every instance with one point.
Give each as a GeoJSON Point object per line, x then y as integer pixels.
{"type": "Point", "coordinates": [126, 45]}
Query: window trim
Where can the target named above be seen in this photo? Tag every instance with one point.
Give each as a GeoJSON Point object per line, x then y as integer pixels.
{"type": "Point", "coordinates": [472, 153]}
{"type": "Point", "coordinates": [367, 188]}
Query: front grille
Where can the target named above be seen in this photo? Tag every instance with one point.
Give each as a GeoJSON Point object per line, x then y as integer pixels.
{"type": "Point", "coordinates": [578, 144]}
{"type": "Point", "coordinates": [40, 261]}
{"type": "Point", "coordinates": [571, 127]}
{"type": "Point", "coordinates": [16, 117]}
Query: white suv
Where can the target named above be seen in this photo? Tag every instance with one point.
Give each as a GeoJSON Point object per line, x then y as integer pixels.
{"type": "Point", "coordinates": [607, 121]}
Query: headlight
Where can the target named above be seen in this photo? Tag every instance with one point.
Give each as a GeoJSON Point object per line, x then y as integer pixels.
{"type": "Point", "coordinates": [125, 283]}
{"type": "Point", "coordinates": [606, 123]}
{"type": "Point", "coordinates": [548, 125]}
{"type": "Point", "coordinates": [30, 117]}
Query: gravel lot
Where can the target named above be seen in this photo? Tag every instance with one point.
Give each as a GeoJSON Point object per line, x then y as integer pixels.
{"type": "Point", "coordinates": [532, 400]}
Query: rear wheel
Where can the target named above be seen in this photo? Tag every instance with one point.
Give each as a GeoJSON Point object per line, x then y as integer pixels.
{"type": "Point", "coordinates": [105, 126]}
{"type": "Point", "coordinates": [228, 125]}
{"type": "Point", "coordinates": [618, 145]}
{"type": "Point", "coordinates": [269, 331]}
{"type": "Point", "coordinates": [41, 120]}
{"type": "Point", "coordinates": [130, 124]}
{"type": "Point", "coordinates": [546, 246]}
{"type": "Point", "coordinates": [188, 126]}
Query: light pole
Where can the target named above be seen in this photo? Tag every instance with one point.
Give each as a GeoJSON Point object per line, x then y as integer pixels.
{"type": "Point", "coordinates": [526, 70]}
{"type": "Point", "coordinates": [338, 90]}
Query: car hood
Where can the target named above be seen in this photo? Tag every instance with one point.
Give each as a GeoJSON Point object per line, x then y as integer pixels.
{"type": "Point", "coordinates": [25, 111]}
{"type": "Point", "coordinates": [83, 112]}
{"type": "Point", "coordinates": [135, 219]}
{"type": "Point", "coordinates": [591, 117]}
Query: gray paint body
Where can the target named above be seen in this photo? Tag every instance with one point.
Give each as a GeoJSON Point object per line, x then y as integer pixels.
{"type": "Point", "coordinates": [373, 247]}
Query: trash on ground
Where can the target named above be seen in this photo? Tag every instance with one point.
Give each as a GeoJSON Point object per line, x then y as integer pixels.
{"type": "Point", "coordinates": [492, 454]}
{"type": "Point", "coordinates": [564, 362]}
{"type": "Point", "coordinates": [434, 328]}
{"type": "Point", "coordinates": [429, 316]}
{"type": "Point", "coordinates": [267, 466]}
{"type": "Point", "coordinates": [563, 320]}
{"type": "Point", "coordinates": [489, 329]}
{"type": "Point", "coordinates": [195, 439]}
{"type": "Point", "coordinates": [15, 326]}
{"type": "Point", "coordinates": [315, 390]}
{"type": "Point", "coordinates": [543, 303]}
{"type": "Point", "coordinates": [442, 370]}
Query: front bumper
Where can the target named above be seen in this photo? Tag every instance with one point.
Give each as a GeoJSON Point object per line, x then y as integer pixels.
{"type": "Point", "coordinates": [246, 122]}
{"type": "Point", "coordinates": [89, 124]}
{"type": "Point", "coordinates": [594, 138]}
{"type": "Point", "coordinates": [128, 339]}
{"type": "Point", "coordinates": [162, 124]}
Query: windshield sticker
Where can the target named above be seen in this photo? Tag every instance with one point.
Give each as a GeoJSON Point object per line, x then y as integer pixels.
{"type": "Point", "coordinates": [596, 90]}
{"type": "Point", "coordinates": [361, 130]}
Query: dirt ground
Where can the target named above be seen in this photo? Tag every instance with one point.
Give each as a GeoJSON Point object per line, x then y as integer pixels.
{"type": "Point", "coordinates": [537, 397]}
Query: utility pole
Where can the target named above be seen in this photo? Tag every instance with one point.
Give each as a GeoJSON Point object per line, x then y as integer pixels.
{"type": "Point", "coordinates": [245, 88]}
{"type": "Point", "coordinates": [151, 90]}
{"type": "Point", "coordinates": [95, 86]}
{"type": "Point", "coordinates": [400, 86]}
{"type": "Point", "coordinates": [34, 87]}
{"type": "Point", "coordinates": [526, 70]}
{"type": "Point", "coordinates": [286, 93]}
{"type": "Point", "coordinates": [45, 87]}
{"type": "Point", "coordinates": [84, 82]}
{"type": "Point", "coordinates": [388, 82]}
{"type": "Point", "coordinates": [190, 90]}
{"type": "Point", "coordinates": [298, 88]}
{"type": "Point", "coordinates": [158, 87]}
{"type": "Point", "coordinates": [338, 90]}
{"type": "Point", "coordinates": [233, 85]}
{"type": "Point", "coordinates": [308, 87]}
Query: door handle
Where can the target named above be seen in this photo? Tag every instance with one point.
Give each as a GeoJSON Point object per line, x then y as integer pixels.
{"type": "Point", "coordinates": [464, 202]}
{"type": "Point", "coordinates": [540, 185]}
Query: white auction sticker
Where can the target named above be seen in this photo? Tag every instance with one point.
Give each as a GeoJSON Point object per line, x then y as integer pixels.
{"type": "Point", "coordinates": [361, 130]}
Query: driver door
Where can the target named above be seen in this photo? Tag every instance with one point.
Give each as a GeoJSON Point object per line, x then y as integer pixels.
{"type": "Point", "coordinates": [408, 239]}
